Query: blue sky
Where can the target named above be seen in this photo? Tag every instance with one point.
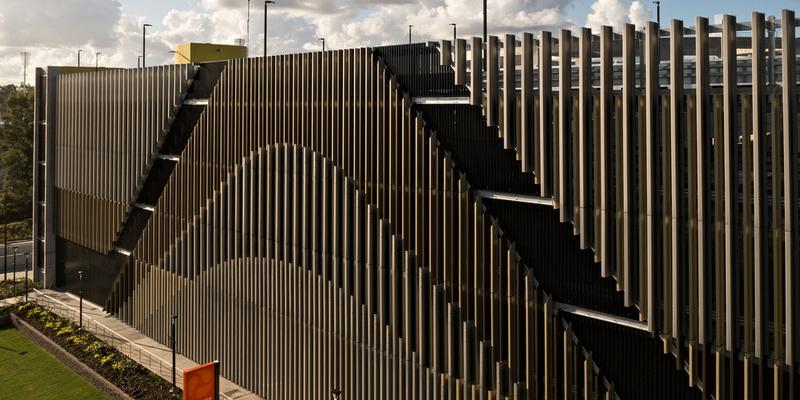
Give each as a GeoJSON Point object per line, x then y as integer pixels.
{"type": "Point", "coordinates": [52, 31]}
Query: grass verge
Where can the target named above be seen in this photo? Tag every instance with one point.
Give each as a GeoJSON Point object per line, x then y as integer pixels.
{"type": "Point", "coordinates": [131, 377]}
{"type": "Point", "coordinates": [29, 372]}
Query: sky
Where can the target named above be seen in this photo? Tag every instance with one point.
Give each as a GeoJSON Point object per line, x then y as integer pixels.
{"type": "Point", "coordinates": [53, 31]}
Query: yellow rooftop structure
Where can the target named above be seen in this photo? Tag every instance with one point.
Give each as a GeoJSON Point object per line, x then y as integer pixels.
{"type": "Point", "coordinates": [187, 53]}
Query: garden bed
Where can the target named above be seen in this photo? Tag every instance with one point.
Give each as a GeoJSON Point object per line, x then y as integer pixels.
{"type": "Point", "coordinates": [132, 378]}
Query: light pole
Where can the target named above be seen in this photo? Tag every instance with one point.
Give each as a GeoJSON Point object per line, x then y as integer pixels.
{"type": "Point", "coordinates": [138, 61]}
{"type": "Point", "coordinates": [144, 35]}
{"type": "Point", "coordinates": [25, 55]}
{"type": "Point", "coordinates": [79, 58]}
{"type": "Point", "coordinates": [13, 270]}
{"type": "Point", "coordinates": [5, 237]}
{"type": "Point", "coordinates": [27, 263]}
{"type": "Point", "coordinates": [323, 43]}
{"type": "Point", "coordinates": [80, 299]}
{"type": "Point", "coordinates": [658, 12]}
{"type": "Point", "coordinates": [184, 57]}
{"type": "Point", "coordinates": [484, 23]}
{"type": "Point", "coordinates": [409, 33]}
{"type": "Point", "coordinates": [174, 321]}
{"type": "Point", "coordinates": [265, 24]}
{"type": "Point", "coordinates": [248, 24]}
{"type": "Point", "coordinates": [97, 60]}
{"type": "Point", "coordinates": [485, 37]}
{"type": "Point", "coordinates": [454, 33]}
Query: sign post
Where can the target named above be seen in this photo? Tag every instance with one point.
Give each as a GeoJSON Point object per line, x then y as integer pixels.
{"type": "Point", "coordinates": [201, 382]}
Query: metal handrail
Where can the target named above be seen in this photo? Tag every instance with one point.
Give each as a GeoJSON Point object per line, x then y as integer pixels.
{"type": "Point", "coordinates": [164, 367]}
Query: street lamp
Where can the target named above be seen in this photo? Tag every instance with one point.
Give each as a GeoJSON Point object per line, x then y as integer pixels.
{"type": "Point", "coordinates": [79, 58]}
{"type": "Point", "coordinates": [658, 12]}
{"type": "Point", "coordinates": [97, 60]}
{"type": "Point", "coordinates": [454, 33]}
{"type": "Point", "coordinates": [248, 24]}
{"type": "Point", "coordinates": [27, 263]}
{"type": "Point", "coordinates": [174, 321]}
{"type": "Point", "coordinates": [184, 57]}
{"type": "Point", "coordinates": [484, 25]}
{"type": "Point", "coordinates": [25, 55]}
{"type": "Point", "coordinates": [13, 270]}
{"type": "Point", "coordinates": [409, 33]}
{"type": "Point", "coordinates": [144, 35]}
{"type": "Point", "coordinates": [485, 42]}
{"type": "Point", "coordinates": [323, 43]}
{"type": "Point", "coordinates": [5, 238]}
{"type": "Point", "coordinates": [265, 24]}
{"type": "Point", "coordinates": [80, 294]}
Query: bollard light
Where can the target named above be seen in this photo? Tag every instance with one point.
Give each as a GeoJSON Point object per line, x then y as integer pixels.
{"type": "Point", "coordinates": [80, 299]}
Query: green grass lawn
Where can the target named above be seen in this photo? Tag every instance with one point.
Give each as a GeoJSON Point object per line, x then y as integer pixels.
{"type": "Point", "coordinates": [28, 372]}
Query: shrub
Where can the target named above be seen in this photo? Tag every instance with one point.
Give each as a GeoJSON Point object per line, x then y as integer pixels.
{"type": "Point", "coordinates": [66, 330]}
{"type": "Point", "coordinates": [94, 347]}
{"type": "Point", "coordinates": [121, 365]}
{"type": "Point", "coordinates": [78, 339]}
{"type": "Point", "coordinates": [106, 358]}
{"type": "Point", "coordinates": [53, 325]}
{"type": "Point", "coordinates": [35, 312]}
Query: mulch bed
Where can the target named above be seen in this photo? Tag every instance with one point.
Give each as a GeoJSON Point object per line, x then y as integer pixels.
{"type": "Point", "coordinates": [132, 378]}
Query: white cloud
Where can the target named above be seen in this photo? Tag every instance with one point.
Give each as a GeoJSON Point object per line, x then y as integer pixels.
{"type": "Point", "coordinates": [617, 13]}
{"type": "Point", "coordinates": [53, 31]}
{"type": "Point", "coordinates": [639, 14]}
{"type": "Point", "coordinates": [58, 23]}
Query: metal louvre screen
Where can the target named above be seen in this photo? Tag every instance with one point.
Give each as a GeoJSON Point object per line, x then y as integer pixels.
{"type": "Point", "coordinates": [109, 127]}
{"type": "Point", "coordinates": [580, 215]}
{"type": "Point", "coordinates": [672, 154]}
{"type": "Point", "coordinates": [314, 228]}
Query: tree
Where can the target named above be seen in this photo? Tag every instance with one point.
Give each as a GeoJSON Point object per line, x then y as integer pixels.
{"type": "Point", "coordinates": [16, 152]}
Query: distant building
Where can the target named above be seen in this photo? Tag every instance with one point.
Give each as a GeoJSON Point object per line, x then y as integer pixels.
{"type": "Point", "coordinates": [187, 53]}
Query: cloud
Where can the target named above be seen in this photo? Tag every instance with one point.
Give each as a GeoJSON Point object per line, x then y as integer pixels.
{"type": "Point", "coordinates": [36, 23]}
{"type": "Point", "coordinates": [53, 31]}
{"type": "Point", "coordinates": [638, 14]}
{"type": "Point", "coordinates": [617, 13]}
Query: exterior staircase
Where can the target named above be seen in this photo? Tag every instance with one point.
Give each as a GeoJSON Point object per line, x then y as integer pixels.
{"type": "Point", "coordinates": [592, 306]}
{"type": "Point", "coordinates": [189, 106]}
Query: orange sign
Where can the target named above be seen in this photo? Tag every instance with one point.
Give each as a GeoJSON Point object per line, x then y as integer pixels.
{"type": "Point", "coordinates": [201, 382]}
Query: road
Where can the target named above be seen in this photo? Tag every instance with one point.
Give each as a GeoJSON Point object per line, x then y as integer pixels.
{"type": "Point", "coordinates": [7, 264]}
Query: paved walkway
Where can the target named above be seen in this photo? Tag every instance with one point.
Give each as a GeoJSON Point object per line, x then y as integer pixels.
{"type": "Point", "coordinates": [19, 275]}
{"type": "Point", "coordinates": [96, 313]}
{"type": "Point", "coordinates": [11, 300]}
